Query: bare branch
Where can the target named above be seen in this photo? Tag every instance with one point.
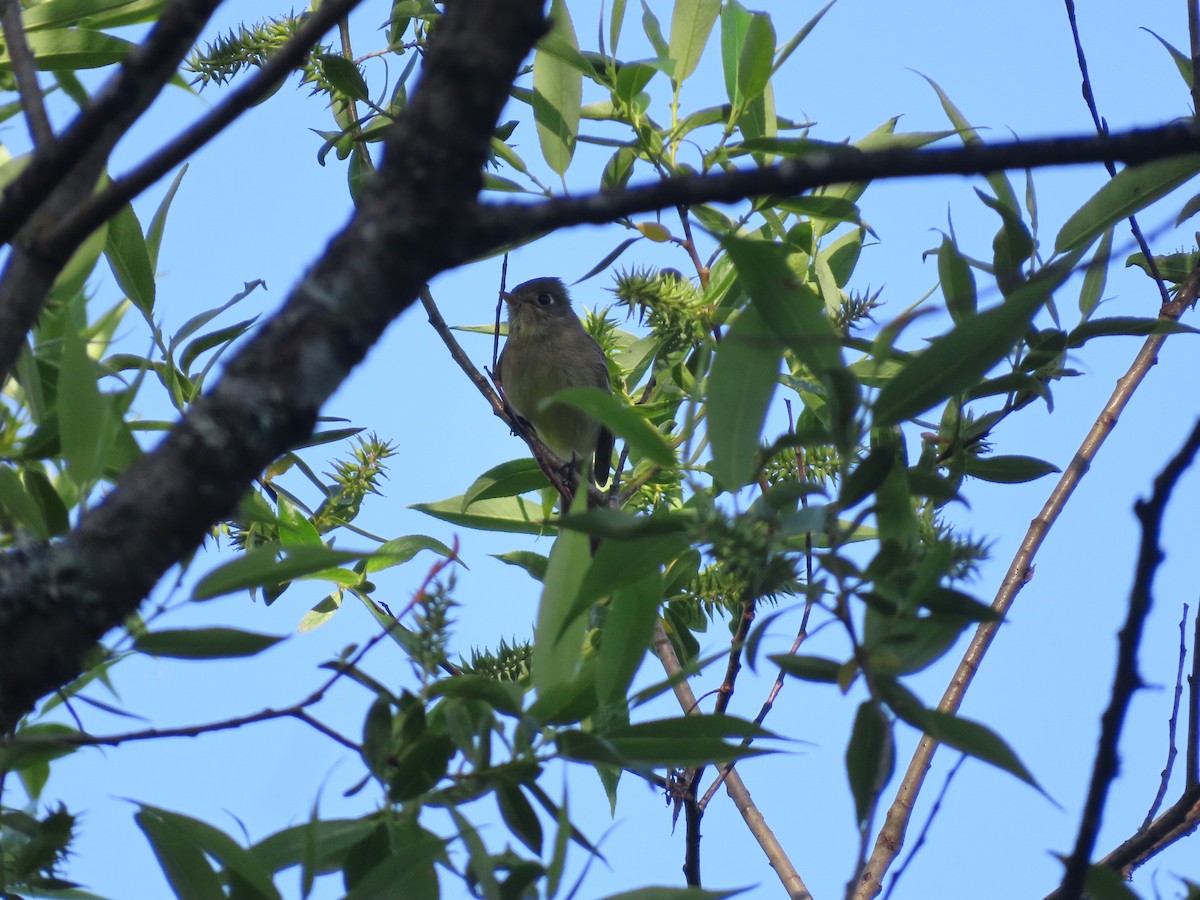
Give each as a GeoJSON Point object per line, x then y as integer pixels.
{"type": "Point", "coordinates": [25, 72]}
{"type": "Point", "coordinates": [1126, 679]}
{"type": "Point", "coordinates": [500, 225]}
{"type": "Point", "coordinates": [1172, 725]}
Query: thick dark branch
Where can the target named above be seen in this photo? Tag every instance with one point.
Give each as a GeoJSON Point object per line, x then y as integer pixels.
{"type": "Point", "coordinates": [74, 228]}
{"type": "Point", "coordinates": [1126, 679]}
{"type": "Point", "coordinates": [25, 72]}
{"type": "Point", "coordinates": [56, 601]}
{"type": "Point", "coordinates": [65, 171]}
{"type": "Point", "coordinates": [503, 224]}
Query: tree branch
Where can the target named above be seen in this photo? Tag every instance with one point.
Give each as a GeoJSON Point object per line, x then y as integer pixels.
{"type": "Point", "coordinates": [1126, 679]}
{"type": "Point", "coordinates": [25, 72]}
{"type": "Point", "coordinates": [502, 224]}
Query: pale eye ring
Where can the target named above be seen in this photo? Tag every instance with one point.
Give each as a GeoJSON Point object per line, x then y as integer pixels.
{"type": "Point", "coordinates": [544, 299]}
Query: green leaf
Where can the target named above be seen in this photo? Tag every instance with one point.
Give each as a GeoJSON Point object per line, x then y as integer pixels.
{"type": "Point", "coordinates": [625, 421]}
{"type": "Point", "coordinates": [19, 506]}
{"type": "Point", "coordinates": [409, 862]}
{"type": "Point", "coordinates": [248, 876]}
{"type": "Point", "coordinates": [1174, 267]}
{"type": "Point", "coordinates": [344, 75]}
{"type": "Point", "coordinates": [628, 629]}
{"type": "Point", "coordinates": [691, 23]}
{"type": "Point", "coordinates": [262, 567]}
{"type": "Point", "coordinates": [533, 563]}
{"type": "Point", "coordinates": [330, 839]}
{"type": "Point", "coordinates": [183, 862]}
{"type": "Point", "coordinates": [1125, 325]}
{"type": "Point", "coordinates": [612, 523]}
{"type": "Point", "coordinates": [83, 413]}
{"type": "Point", "coordinates": [1096, 276]}
{"type": "Point", "coordinates": [69, 49]}
{"type": "Point", "coordinates": [1008, 469]}
{"type": "Point", "coordinates": [735, 20]}
{"type": "Point", "coordinates": [958, 282]}
{"type": "Point", "coordinates": [129, 259]}
{"type": "Point", "coordinates": [685, 740]}
{"type": "Point", "coordinates": [513, 515]}
{"type": "Point", "coordinates": [870, 758]}
{"type": "Point", "coordinates": [1105, 883]}
{"type": "Point", "coordinates": [1133, 189]}
{"type": "Point", "coordinates": [975, 739]}
{"type": "Point", "coordinates": [1183, 62]}
{"type": "Point", "coordinates": [402, 549]}
{"type": "Point", "coordinates": [509, 479]}
{"type": "Point", "coordinates": [743, 379]}
{"type": "Point", "coordinates": [959, 358]}
{"type": "Point", "coordinates": [557, 92]}
{"type": "Point", "coordinates": [794, 314]}
{"type": "Point", "coordinates": [93, 13]}
{"type": "Point", "coordinates": [808, 668]}
{"type": "Point", "coordinates": [204, 643]}
{"type": "Point", "coordinates": [558, 642]}
{"type": "Point", "coordinates": [519, 816]}
{"type": "Point", "coordinates": [159, 221]}
{"type": "Point", "coordinates": [756, 59]}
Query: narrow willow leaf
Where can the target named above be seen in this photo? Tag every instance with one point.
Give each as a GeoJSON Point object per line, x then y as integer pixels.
{"type": "Point", "coordinates": [263, 566]}
{"type": "Point", "coordinates": [870, 758]}
{"type": "Point", "coordinates": [19, 506]}
{"type": "Point", "coordinates": [625, 421]}
{"type": "Point", "coordinates": [628, 629]}
{"type": "Point", "coordinates": [204, 643]}
{"type": "Point", "coordinates": [735, 20]}
{"type": "Point", "coordinates": [1133, 189]}
{"type": "Point", "coordinates": [757, 56]}
{"type": "Point", "coordinates": [557, 91]}
{"type": "Point", "coordinates": [1125, 325]}
{"type": "Point", "coordinates": [509, 479]}
{"type": "Point", "coordinates": [559, 631]}
{"type": "Point", "coordinates": [1095, 277]}
{"type": "Point", "coordinates": [188, 871]}
{"type": "Point", "coordinates": [69, 49]}
{"type": "Point", "coordinates": [514, 515]}
{"type": "Point", "coordinates": [1009, 469]}
{"type": "Point", "coordinates": [743, 379]}
{"type": "Point", "coordinates": [808, 668]}
{"type": "Point", "coordinates": [129, 259]}
{"type": "Point", "coordinates": [958, 282]}
{"type": "Point", "coordinates": [691, 23]}
{"type": "Point", "coordinates": [83, 412]}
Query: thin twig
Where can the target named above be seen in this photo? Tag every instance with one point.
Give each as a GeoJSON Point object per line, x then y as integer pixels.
{"type": "Point", "coordinates": [1020, 570]}
{"type": "Point", "coordinates": [1172, 725]}
{"type": "Point", "coordinates": [734, 786]}
{"type": "Point", "coordinates": [1089, 97]}
{"type": "Point", "coordinates": [25, 72]}
{"type": "Point", "coordinates": [1192, 763]}
{"type": "Point", "coordinates": [1126, 679]}
{"type": "Point", "coordinates": [920, 841]}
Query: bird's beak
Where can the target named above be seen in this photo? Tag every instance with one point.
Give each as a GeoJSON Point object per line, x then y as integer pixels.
{"type": "Point", "coordinates": [506, 297]}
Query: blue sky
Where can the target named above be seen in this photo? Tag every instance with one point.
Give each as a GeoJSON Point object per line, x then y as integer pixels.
{"type": "Point", "coordinates": [255, 205]}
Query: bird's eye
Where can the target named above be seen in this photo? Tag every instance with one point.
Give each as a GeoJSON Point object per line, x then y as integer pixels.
{"type": "Point", "coordinates": [544, 300]}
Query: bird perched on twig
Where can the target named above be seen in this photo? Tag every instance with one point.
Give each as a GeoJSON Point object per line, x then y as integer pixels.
{"type": "Point", "coordinates": [547, 351]}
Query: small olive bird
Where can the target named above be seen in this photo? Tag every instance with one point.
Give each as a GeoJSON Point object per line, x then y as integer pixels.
{"type": "Point", "coordinates": [547, 351]}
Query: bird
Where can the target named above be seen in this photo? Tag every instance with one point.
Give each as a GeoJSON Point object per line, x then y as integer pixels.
{"type": "Point", "coordinates": [548, 350]}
